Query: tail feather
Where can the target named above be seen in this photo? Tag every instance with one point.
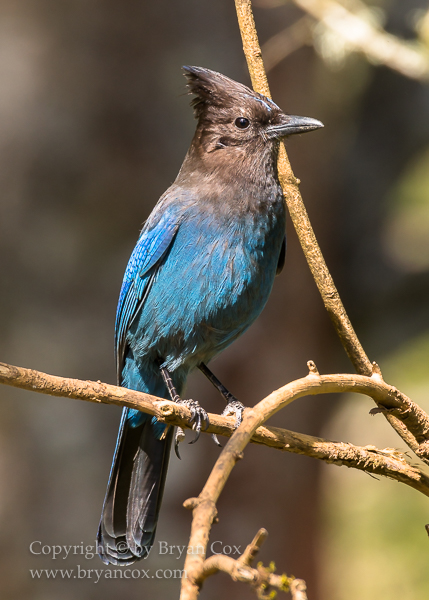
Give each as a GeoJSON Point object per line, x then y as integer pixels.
{"type": "Point", "coordinates": [134, 492]}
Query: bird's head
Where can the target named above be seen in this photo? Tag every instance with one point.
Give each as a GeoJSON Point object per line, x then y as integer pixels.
{"type": "Point", "coordinates": [231, 115]}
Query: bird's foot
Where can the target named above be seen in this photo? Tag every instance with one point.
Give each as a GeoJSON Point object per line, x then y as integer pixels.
{"type": "Point", "coordinates": [199, 420]}
{"type": "Point", "coordinates": [199, 417]}
{"type": "Point", "coordinates": [234, 408]}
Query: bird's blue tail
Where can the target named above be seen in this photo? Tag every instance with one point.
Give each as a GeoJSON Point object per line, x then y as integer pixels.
{"type": "Point", "coordinates": [136, 484]}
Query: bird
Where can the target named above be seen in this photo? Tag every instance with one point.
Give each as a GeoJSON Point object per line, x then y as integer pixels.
{"type": "Point", "coordinates": [200, 274]}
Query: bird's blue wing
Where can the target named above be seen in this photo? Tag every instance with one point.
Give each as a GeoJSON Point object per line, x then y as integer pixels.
{"type": "Point", "coordinates": [151, 246]}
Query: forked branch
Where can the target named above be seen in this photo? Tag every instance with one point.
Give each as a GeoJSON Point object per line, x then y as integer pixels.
{"type": "Point", "coordinates": [204, 507]}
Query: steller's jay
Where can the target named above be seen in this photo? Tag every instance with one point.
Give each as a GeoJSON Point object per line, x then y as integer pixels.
{"type": "Point", "coordinates": [200, 274]}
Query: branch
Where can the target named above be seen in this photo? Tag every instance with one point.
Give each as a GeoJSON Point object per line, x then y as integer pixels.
{"type": "Point", "coordinates": [204, 507]}
{"type": "Point", "coordinates": [388, 463]}
{"type": "Point", "coordinates": [261, 578]}
{"type": "Point", "coordinates": [298, 213]}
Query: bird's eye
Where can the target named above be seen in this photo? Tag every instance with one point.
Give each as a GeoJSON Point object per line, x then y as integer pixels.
{"type": "Point", "coordinates": [242, 123]}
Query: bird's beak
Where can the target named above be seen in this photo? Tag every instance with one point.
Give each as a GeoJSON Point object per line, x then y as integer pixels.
{"type": "Point", "coordinates": [291, 124]}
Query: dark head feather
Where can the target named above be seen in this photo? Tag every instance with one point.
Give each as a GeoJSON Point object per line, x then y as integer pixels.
{"type": "Point", "coordinates": [214, 90]}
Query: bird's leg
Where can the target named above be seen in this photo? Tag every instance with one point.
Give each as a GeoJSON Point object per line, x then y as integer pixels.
{"type": "Point", "coordinates": [199, 416]}
{"type": "Point", "coordinates": [169, 384]}
{"type": "Point", "coordinates": [218, 385]}
{"type": "Point", "coordinates": [233, 408]}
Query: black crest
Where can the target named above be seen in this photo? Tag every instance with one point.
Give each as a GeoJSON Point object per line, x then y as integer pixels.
{"type": "Point", "coordinates": [212, 89]}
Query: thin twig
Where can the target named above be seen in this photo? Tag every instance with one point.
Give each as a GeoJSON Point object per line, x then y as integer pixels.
{"type": "Point", "coordinates": [298, 213]}
{"type": "Point", "coordinates": [261, 578]}
{"type": "Point", "coordinates": [253, 548]}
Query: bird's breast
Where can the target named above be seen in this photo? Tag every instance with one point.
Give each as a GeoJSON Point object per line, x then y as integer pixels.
{"type": "Point", "coordinates": [212, 284]}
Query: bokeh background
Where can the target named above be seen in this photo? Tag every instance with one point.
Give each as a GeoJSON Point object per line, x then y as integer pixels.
{"type": "Point", "coordinates": [94, 124]}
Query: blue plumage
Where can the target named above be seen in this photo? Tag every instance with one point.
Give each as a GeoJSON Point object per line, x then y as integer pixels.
{"type": "Point", "coordinates": [150, 248]}
{"type": "Point", "coordinates": [201, 272]}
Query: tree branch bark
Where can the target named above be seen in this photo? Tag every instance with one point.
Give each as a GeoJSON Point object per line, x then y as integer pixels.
{"type": "Point", "coordinates": [295, 204]}
{"type": "Point", "coordinates": [386, 462]}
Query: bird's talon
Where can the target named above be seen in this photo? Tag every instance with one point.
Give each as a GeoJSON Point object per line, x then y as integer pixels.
{"type": "Point", "coordinates": [196, 426]}
{"type": "Point", "coordinates": [216, 441]}
{"type": "Point", "coordinates": [179, 437]}
{"type": "Point", "coordinates": [197, 435]}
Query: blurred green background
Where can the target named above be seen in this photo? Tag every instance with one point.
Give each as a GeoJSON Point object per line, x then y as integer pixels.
{"type": "Point", "coordinates": [94, 124]}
